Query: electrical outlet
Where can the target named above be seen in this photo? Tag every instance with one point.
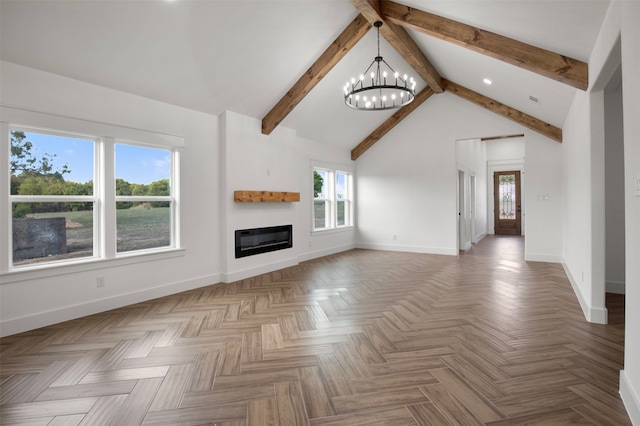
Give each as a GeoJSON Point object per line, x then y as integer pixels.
{"type": "Point", "coordinates": [100, 282]}
{"type": "Point", "coordinates": [394, 238]}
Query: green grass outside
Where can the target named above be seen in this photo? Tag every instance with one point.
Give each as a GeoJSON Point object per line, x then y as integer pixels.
{"type": "Point", "coordinates": [133, 217]}
{"type": "Point", "coordinates": [84, 218]}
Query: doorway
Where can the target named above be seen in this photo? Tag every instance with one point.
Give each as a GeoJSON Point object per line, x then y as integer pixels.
{"type": "Point", "coordinates": [462, 225]}
{"type": "Point", "coordinates": [507, 210]}
{"type": "Point", "coordinates": [614, 184]}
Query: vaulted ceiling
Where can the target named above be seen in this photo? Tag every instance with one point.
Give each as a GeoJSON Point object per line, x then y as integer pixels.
{"type": "Point", "coordinates": [285, 61]}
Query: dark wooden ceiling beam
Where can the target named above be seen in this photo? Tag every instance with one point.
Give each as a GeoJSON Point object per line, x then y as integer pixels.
{"type": "Point", "coordinates": [390, 123]}
{"type": "Point", "coordinates": [321, 67]}
{"type": "Point", "coordinates": [401, 41]}
{"type": "Point", "coordinates": [549, 64]}
{"type": "Point", "coordinates": [519, 117]}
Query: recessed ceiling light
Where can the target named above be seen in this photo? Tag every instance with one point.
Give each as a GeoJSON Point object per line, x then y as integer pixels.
{"type": "Point", "coordinates": [487, 81]}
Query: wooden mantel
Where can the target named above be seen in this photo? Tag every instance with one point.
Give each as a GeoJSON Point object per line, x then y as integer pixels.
{"type": "Point", "coordinates": [265, 197]}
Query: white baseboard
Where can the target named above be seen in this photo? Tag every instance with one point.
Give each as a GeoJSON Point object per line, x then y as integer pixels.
{"type": "Point", "coordinates": [42, 319]}
{"type": "Point", "coordinates": [410, 249]}
{"type": "Point", "coordinates": [595, 315]}
{"type": "Point", "coordinates": [616, 287]}
{"type": "Point", "coordinates": [630, 399]}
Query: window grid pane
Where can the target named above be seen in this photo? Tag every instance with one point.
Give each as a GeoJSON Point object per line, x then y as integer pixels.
{"type": "Point", "coordinates": [50, 164]}
{"type": "Point", "coordinates": [320, 214]}
{"type": "Point", "coordinates": [47, 232]}
{"type": "Point", "coordinates": [341, 186]}
{"type": "Point", "coordinates": [320, 181]}
{"type": "Point", "coordinates": [144, 174]}
{"type": "Point", "coordinates": [341, 210]}
{"type": "Point", "coordinates": [143, 225]}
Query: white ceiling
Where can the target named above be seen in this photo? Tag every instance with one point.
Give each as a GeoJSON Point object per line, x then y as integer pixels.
{"type": "Point", "coordinates": [244, 55]}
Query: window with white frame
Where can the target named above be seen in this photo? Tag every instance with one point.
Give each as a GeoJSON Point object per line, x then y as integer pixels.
{"type": "Point", "coordinates": [75, 197]}
{"type": "Point", "coordinates": [143, 197]}
{"type": "Point", "coordinates": [332, 199]}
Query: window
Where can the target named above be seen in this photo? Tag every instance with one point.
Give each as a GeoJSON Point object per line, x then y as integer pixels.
{"type": "Point", "coordinates": [52, 197]}
{"type": "Point", "coordinates": [332, 199]}
{"type": "Point", "coordinates": [77, 197]}
{"type": "Point", "coordinates": [321, 201]}
{"type": "Point", "coordinates": [343, 199]}
{"type": "Point", "coordinates": [143, 197]}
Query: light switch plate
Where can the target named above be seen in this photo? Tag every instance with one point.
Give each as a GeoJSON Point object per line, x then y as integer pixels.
{"type": "Point", "coordinates": [637, 186]}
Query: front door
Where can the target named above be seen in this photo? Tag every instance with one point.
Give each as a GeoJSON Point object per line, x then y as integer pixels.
{"type": "Point", "coordinates": [506, 195]}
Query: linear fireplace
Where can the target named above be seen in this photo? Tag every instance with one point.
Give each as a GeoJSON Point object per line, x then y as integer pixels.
{"type": "Point", "coordinates": [262, 240]}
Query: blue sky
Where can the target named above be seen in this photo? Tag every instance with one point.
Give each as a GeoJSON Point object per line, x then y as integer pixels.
{"type": "Point", "coordinates": [137, 164]}
{"type": "Point", "coordinates": [340, 184]}
{"type": "Point", "coordinates": [134, 164]}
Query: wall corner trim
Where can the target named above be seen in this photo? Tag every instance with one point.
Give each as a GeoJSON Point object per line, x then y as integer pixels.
{"type": "Point", "coordinates": [591, 314]}
{"type": "Point", "coordinates": [630, 398]}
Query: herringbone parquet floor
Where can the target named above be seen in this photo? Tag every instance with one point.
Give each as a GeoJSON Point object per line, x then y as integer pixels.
{"type": "Point", "coordinates": [358, 338]}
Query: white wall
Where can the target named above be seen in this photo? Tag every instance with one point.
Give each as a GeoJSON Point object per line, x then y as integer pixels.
{"type": "Point", "coordinates": [407, 182]}
{"type": "Point", "coordinates": [471, 157]}
{"type": "Point", "coordinates": [506, 149]}
{"type": "Point", "coordinates": [544, 198]}
{"type": "Point", "coordinates": [578, 216]}
{"type": "Point", "coordinates": [220, 155]}
{"type": "Point", "coordinates": [277, 162]}
{"type": "Point", "coordinates": [583, 162]}
{"type": "Point", "coordinates": [630, 378]}
{"type": "Point", "coordinates": [30, 300]}
{"type": "Point", "coordinates": [262, 163]}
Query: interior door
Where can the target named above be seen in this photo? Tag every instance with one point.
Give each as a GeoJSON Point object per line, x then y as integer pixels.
{"type": "Point", "coordinates": [472, 207]}
{"type": "Point", "coordinates": [462, 235]}
{"type": "Point", "coordinates": [506, 195]}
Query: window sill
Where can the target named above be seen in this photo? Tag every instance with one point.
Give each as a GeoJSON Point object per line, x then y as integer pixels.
{"type": "Point", "coordinates": [332, 230]}
{"type": "Point", "coordinates": [91, 264]}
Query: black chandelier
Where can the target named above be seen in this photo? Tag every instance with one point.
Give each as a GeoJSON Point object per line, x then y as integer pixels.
{"type": "Point", "coordinates": [387, 89]}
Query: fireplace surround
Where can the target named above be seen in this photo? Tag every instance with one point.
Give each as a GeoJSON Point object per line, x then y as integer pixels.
{"type": "Point", "coordinates": [254, 241]}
